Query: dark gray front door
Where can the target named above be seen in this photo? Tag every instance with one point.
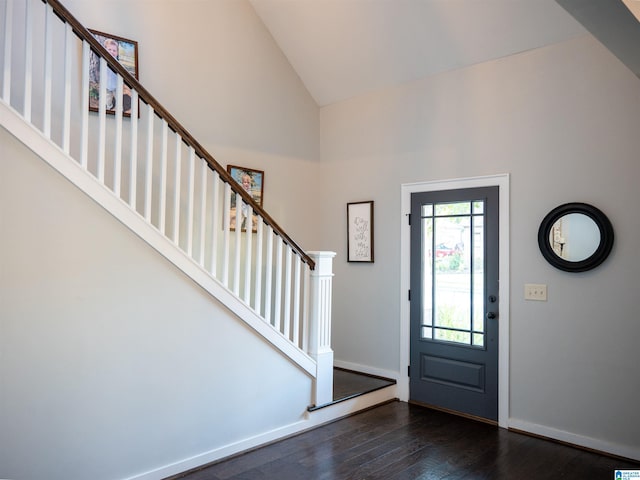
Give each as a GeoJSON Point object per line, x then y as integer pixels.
{"type": "Point", "coordinates": [454, 300]}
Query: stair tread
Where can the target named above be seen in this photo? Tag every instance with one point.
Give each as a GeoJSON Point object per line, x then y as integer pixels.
{"type": "Point", "coordinates": [348, 384]}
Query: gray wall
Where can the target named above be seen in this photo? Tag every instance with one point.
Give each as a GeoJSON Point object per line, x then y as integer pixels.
{"type": "Point", "coordinates": [562, 121]}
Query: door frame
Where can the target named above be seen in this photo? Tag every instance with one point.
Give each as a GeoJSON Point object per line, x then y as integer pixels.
{"type": "Point", "coordinates": [502, 182]}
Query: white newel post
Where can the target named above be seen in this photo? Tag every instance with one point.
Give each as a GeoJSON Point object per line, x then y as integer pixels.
{"type": "Point", "coordinates": [320, 324]}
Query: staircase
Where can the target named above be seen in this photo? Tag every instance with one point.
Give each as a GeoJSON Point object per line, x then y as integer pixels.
{"type": "Point", "coordinates": [349, 384]}
{"type": "Point", "coordinates": [148, 172]}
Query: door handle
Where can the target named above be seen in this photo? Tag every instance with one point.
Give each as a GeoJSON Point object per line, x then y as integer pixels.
{"type": "Point", "coordinates": [491, 315]}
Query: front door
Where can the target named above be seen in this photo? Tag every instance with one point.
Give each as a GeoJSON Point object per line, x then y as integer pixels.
{"type": "Point", "coordinates": [454, 300]}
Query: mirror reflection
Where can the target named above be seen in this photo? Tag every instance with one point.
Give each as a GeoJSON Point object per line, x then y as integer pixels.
{"type": "Point", "coordinates": [574, 237]}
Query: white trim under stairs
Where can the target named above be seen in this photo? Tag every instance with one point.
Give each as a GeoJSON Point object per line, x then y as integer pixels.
{"type": "Point", "coordinates": [13, 122]}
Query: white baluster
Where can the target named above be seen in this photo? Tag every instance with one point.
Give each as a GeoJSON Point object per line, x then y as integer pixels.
{"type": "Point", "coordinates": [133, 176]}
{"type": "Point", "coordinates": [66, 115]}
{"type": "Point", "coordinates": [238, 246]}
{"type": "Point", "coordinates": [304, 334]}
{"type": "Point", "coordinates": [215, 213]}
{"type": "Point", "coordinates": [8, 37]}
{"type": "Point", "coordinates": [258, 267]}
{"type": "Point", "coordinates": [48, 66]}
{"type": "Point", "coordinates": [268, 276]}
{"type": "Point", "coordinates": [28, 62]}
{"type": "Point", "coordinates": [176, 190]}
{"type": "Point", "coordinates": [296, 301]}
{"type": "Point", "coordinates": [149, 165]}
{"type": "Point", "coordinates": [286, 314]}
{"type": "Point", "coordinates": [162, 221]}
{"type": "Point", "coordinates": [320, 325]}
{"type": "Point", "coordinates": [247, 256]}
{"type": "Point", "coordinates": [84, 135]}
{"type": "Point", "coordinates": [191, 196]}
{"type": "Point", "coordinates": [203, 208]}
{"type": "Point", "coordinates": [226, 219]}
{"type": "Point", "coordinates": [102, 114]}
{"type": "Point", "coordinates": [277, 314]}
{"type": "Point", "coordinates": [117, 154]}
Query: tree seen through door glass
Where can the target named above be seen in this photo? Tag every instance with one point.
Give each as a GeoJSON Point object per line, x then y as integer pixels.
{"type": "Point", "coordinates": [453, 272]}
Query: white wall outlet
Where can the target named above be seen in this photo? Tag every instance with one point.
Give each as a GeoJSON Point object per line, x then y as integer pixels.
{"type": "Point", "coordinates": [535, 291]}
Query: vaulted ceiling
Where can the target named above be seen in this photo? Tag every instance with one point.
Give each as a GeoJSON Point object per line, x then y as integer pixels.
{"type": "Point", "coordinates": [345, 48]}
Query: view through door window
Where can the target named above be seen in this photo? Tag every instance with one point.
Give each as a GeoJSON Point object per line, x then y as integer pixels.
{"type": "Point", "coordinates": [453, 267]}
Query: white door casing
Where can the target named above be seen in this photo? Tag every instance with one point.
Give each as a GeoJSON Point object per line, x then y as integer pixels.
{"type": "Point", "coordinates": [502, 182]}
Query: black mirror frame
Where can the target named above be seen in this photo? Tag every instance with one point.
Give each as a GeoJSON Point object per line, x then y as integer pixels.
{"type": "Point", "coordinates": [601, 253]}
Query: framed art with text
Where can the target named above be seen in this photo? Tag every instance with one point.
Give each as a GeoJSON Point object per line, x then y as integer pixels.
{"type": "Point", "coordinates": [360, 231]}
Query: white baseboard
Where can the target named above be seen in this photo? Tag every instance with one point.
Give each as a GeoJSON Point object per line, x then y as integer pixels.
{"type": "Point", "coordinates": [220, 453]}
{"type": "Point", "coordinates": [367, 369]}
{"type": "Point", "coordinates": [626, 451]}
{"type": "Point", "coordinates": [312, 420]}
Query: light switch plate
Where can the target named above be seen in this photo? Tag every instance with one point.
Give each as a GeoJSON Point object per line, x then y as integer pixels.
{"type": "Point", "coordinates": [535, 291]}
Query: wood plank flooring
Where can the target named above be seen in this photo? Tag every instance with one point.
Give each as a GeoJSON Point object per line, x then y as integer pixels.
{"type": "Point", "coordinates": [399, 441]}
{"type": "Point", "coordinates": [347, 383]}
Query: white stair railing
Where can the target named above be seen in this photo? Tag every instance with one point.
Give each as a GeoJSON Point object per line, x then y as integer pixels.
{"type": "Point", "coordinates": [152, 164]}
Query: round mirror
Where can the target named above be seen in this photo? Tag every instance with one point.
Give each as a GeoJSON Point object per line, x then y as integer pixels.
{"type": "Point", "coordinates": [575, 237]}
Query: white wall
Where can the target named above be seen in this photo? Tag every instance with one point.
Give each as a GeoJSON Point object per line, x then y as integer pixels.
{"type": "Point", "coordinates": [113, 361]}
{"type": "Point", "coordinates": [216, 68]}
{"type": "Point", "coordinates": [562, 120]}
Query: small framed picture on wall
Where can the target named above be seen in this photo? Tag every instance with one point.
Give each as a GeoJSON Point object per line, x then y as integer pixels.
{"type": "Point", "coordinates": [360, 231]}
{"type": "Point", "coordinates": [126, 53]}
{"type": "Point", "coordinates": [252, 181]}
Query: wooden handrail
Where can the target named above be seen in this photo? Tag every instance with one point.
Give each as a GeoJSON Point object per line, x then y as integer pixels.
{"type": "Point", "coordinates": [163, 113]}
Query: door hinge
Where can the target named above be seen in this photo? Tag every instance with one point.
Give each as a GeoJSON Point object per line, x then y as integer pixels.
{"type": "Point", "coordinates": [409, 295]}
{"type": "Point", "coordinates": [409, 218]}
{"type": "Point", "coordinates": [408, 370]}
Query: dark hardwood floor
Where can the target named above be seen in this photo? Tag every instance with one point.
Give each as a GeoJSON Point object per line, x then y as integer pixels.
{"type": "Point", "coordinates": [347, 383]}
{"type": "Point", "coordinates": [399, 441]}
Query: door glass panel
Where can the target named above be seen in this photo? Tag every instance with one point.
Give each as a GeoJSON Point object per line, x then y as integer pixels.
{"type": "Point", "coordinates": [427, 266]}
{"type": "Point", "coordinates": [447, 335]}
{"type": "Point", "coordinates": [478, 279]}
{"type": "Point", "coordinates": [456, 208]}
{"type": "Point", "coordinates": [453, 272]}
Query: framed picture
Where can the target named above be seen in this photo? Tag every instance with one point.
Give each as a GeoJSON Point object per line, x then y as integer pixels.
{"type": "Point", "coordinates": [126, 52]}
{"type": "Point", "coordinates": [253, 183]}
{"type": "Point", "coordinates": [360, 231]}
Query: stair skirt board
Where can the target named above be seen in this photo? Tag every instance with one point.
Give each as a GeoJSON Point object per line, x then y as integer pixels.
{"type": "Point", "coordinates": [11, 120]}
